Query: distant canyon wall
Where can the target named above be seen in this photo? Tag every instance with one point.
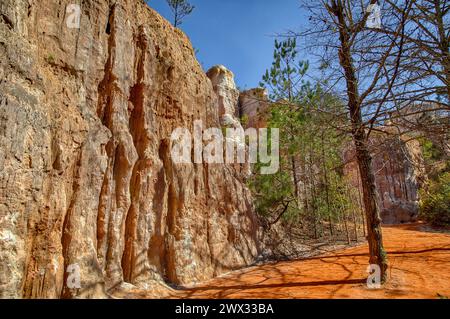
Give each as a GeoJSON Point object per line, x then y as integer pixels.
{"type": "Point", "coordinates": [399, 173]}
{"type": "Point", "coordinates": [397, 162]}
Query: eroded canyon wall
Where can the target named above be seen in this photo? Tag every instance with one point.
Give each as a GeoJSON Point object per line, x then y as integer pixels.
{"type": "Point", "coordinates": [399, 173]}
{"type": "Point", "coordinates": [254, 107]}
{"type": "Point", "coordinates": [86, 177]}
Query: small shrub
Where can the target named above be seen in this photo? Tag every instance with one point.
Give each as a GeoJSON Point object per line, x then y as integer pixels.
{"type": "Point", "coordinates": [50, 59]}
{"type": "Point", "coordinates": [244, 120]}
{"type": "Point", "coordinates": [435, 201]}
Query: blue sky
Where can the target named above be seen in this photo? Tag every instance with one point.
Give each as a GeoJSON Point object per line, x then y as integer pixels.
{"type": "Point", "coordinates": [237, 33]}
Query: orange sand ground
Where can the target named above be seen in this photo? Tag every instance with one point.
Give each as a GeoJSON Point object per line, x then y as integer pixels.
{"type": "Point", "coordinates": [419, 268]}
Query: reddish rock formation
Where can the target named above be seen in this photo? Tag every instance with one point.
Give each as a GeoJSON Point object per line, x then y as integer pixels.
{"type": "Point", "coordinates": [86, 177]}
{"type": "Point", "coordinates": [398, 167]}
{"type": "Point", "coordinates": [253, 106]}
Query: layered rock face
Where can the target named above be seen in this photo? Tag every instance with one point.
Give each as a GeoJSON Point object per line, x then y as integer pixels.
{"type": "Point", "coordinates": [253, 105]}
{"type": "Point", "coordinates": [86, 178]}
{"type": "Point", "coordinates": [222, 80]}
{"type": "Point", "coordinates": [399, 171]}
{"type": "Point", "coordinates": [224, 86]}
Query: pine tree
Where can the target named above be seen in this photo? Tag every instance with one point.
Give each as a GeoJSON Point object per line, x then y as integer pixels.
{"type": "Point", "coordinates": [180, 9]}
{"type": "Point", "coordinates": [307, 188]}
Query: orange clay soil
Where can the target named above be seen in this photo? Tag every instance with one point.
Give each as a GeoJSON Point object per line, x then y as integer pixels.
{"type": "Point", "coordinates": [419, 267]}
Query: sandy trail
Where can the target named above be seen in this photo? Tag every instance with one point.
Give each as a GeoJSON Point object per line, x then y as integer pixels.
{"type": "Point", "coordinates": [419, 268]}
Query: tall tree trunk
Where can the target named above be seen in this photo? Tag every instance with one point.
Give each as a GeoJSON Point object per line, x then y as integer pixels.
{"type": "Point", "coordinates": [314, 208]}
{"type": "Point", "coordinates": [373, 220]}
{"type": "Point", "coordinates": [352, 207]}
{"type": "Point", "coordinates": [360, 202]}
{"type": "Point", "coordinates": [347, 232]}
{"type": "Point", "coordinates": [374, 233]}
{"type": "Point", "coordinates": [327, 194]}
{"type": "Point", "coordinates": [341, 228]}
{"type": "Point", "coordinates": [312, 204]}
{"type": "Point", "coordinates": [344, 217]}
{"type": "Point", "coordinates": [444, 44]}
{"type": "Point", "coordinates": [304, 177]}
{"type": "Point", "coordinates": [296, 181]}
